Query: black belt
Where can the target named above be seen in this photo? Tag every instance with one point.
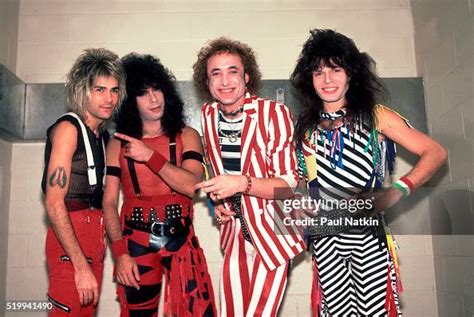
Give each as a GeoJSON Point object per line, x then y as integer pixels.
{"type": "Point", "coordinates": [77, 205]}
{"type": "Point", "coordinates": [161, 232]}
{"type": "Point", "coordinates": [236, 202]}
{"type": "Point", "coordinates": [167, 228]}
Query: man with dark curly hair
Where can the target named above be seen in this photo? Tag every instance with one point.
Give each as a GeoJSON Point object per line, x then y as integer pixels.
{"type": "Point", "coordinates": [73, 183]}
{"type": "Point", "coordinates": [157, 160]}
{"type": "Point", "coordinates": [347, 145]}
{"type": "Point", "coordinates": [249, 142]}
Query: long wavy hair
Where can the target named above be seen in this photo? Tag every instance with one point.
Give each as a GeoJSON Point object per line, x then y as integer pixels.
{"type": "Point", "coordinates": [143, 72]}
{"type": "Point", "coordinates": [225, 45]}
{"type": "Point", "coordinates": [329, 48]}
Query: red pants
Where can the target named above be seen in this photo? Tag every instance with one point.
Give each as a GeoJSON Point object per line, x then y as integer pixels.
{"type": "Point", "coordinates": [89, 228]}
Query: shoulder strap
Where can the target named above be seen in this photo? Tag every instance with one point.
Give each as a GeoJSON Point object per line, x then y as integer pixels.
{"type": "Point", "coordinates": [91, 174]}
{"type": "Point", "coordinates": [133, 172]}
{"type": "Point", "coordinates": [133, 176]}
{"type": "Point", "coordinates": [173, 150]}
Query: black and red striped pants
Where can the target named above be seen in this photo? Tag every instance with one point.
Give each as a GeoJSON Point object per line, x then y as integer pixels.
{"type": "Point", "coordinates": [188, 290]}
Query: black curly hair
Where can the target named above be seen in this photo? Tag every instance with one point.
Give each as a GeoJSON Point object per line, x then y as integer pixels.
{"type": "Point", "coordinates": [333, 49]}
{"type": "Point", "coordinates": [145, 71]}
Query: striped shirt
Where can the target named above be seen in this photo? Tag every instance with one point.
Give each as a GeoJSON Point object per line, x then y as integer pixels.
{"type": "Point", "coordinates": [230, 137]}
{"type": "Point", "coordinates": [230, 150]}
{"type": "Point", "coordinates": [342, 182]}
{"type": "Point", "coordinates": [344, 167]}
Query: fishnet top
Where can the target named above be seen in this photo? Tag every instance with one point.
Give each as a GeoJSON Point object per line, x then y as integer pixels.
{"type": "Point", "coordinates": [79, 188]}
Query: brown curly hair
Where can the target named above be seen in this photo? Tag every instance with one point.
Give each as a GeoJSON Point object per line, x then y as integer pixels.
{"type": "Point", "coordinates": [225, 45]}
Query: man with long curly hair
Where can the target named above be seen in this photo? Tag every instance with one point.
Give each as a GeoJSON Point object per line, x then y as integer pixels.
{"type": "Point", "coordinates": [157, 160]}
{"type": "Point", "coordinates": [347, 144]}
{"type": "Point", "coordinates": [72, 183]}
{"type": "Point", "coordinates": [249, 142]}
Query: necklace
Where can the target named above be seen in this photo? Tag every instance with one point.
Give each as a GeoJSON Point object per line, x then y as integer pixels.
{"type": "Point", "coordinates": [332, 116]}
{"type": "Point", "coordinates": [232, 113]}
{"type": "Point", "coordinates": [233, 136]}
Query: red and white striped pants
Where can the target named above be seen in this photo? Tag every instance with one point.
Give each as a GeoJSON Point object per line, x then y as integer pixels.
{"type": "Point", "coordinates": [247, 288]}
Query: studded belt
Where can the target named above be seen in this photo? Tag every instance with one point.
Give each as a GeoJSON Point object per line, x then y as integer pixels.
{"type": "Point", "coordinates": [161, 232]}
{"type": "Point", "coordinates": [172, 213]}
{"type": "Point", "coordinates": [168, 228]}
{"type": "Point", "coordinates": [150, 211]}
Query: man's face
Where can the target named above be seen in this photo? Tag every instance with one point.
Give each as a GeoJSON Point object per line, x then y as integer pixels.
{"type": "Point", "coordinates": [151, 104]}
{"type": "Point", "coordinates": [331, 84]}
{"type": "Point", "coordinates": [227, 80]}
{"type": "Point", "coordinates": [104, 98]}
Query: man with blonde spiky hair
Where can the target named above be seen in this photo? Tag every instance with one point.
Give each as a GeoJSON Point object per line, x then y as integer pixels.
{"type": "Point", "coordinates": [73, 183]}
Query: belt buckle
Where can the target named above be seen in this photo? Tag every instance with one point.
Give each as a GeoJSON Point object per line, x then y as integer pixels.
{"type": "Point", "coordinates": [161, 230]}
{"type": "Point", "coordinates": [158, 231]}
{"type": "Point", "coordinates": [158, 236]}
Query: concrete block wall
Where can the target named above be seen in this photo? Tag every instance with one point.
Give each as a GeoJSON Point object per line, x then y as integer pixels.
{"type": "Point", "coordinates": [444, 38]}
{"type": "Point", "coordinates": [27, 273]}
{"type": "Point", "coordinates": [9, 16]}
{"type": "Point", "coordinates": [53, 33]}
{"type": "Point", "coordinates": [5, 177]}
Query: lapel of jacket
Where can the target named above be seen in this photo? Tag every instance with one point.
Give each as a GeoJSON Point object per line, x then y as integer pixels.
{"type": "Point", "coordinates": [214, 148]}
{"type": "Point", "coordinates": [248, 132]}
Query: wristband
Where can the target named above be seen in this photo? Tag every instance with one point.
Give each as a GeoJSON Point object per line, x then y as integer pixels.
{"type": "Point", "coordinates": [249, 184]}
{"type": "Point", "coordinates": [119, 248]}
{"type": "Point", "coordinates": [408, 183]}
{"type": "Point", "coordinates": [156, 162]}
{"type": "Point", "coordinates": [404, 185]}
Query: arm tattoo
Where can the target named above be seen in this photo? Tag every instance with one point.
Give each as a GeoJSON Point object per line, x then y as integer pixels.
{"type": "Point", "coordinates": [58, 177]}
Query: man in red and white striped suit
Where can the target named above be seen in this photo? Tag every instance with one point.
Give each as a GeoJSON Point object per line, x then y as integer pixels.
{"type": "Point", "coordinates": [249, 143]}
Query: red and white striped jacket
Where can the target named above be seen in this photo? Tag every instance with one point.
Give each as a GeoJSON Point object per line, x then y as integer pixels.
{"type": "Point", "coordinates": [267, 150]}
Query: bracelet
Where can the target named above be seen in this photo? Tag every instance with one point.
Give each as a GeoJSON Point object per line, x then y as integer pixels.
{"type": "Point", "coordinates": [249, 184]}
{"type": "Point", "coordinates": [119, 248]}
{"type": "Point", "coordinates": [404, 185]}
